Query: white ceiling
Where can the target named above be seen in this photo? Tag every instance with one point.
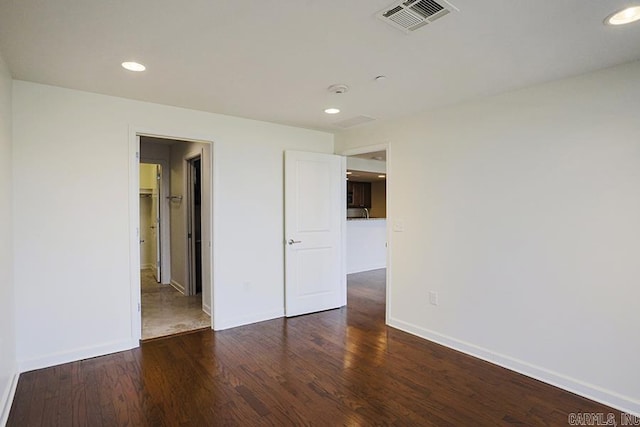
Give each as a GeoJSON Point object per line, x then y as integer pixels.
{"type": "Point", "coordinates": [274, 60]}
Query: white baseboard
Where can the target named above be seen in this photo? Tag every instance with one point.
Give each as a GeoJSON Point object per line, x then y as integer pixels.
{"type": "Point", "coordinates": [75, 355]}
{"type": "Point", "coordinates": [610, 398]}
{"type": "Point", "coordinates": [178, 286]}
{"type": "Point", "coordinates": [7, 399]}
{"type": "Point", "coordinates": [234, 322]}
{"type": "Point", "coordinates": [206, 308]}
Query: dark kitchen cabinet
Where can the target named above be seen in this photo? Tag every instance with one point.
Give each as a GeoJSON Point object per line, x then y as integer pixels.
{"type": "Point", "coordinates": [358, 194]}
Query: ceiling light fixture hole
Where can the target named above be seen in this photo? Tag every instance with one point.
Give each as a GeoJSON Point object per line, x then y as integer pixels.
{"type": "Point", "coordinates": [338, 88]}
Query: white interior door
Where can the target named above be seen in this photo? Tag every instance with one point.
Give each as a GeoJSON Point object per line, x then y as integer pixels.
{"type": "Point", "coordinates": [155, 224]}
{"type": "Point", "coordinates": [313, 232]}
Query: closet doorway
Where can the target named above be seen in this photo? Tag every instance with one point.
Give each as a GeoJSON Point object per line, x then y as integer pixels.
{"type": "Point", "coordinates": [150, 219]}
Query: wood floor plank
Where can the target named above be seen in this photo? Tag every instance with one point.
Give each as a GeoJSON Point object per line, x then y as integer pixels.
{"type": "Point", "coordinates": [338, 367]}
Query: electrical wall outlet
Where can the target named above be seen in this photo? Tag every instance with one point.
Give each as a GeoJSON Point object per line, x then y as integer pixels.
{"type": "Point", "coordinates": [433, 297]}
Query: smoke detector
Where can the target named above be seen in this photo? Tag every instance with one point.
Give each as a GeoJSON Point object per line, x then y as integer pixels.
{"type": "Point", "coordinates": [338, 88]}
{"type": "Point", "coordinates": [409, 15]}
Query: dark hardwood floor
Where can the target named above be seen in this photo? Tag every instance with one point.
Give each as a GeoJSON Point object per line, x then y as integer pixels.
{"type": "Point", "coordinates": [339, 367]}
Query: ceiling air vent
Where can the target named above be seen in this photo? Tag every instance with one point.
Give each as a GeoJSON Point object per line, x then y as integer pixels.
{"type": "Point", "coordinates": [409, 15]}
{"type": "Point", "coordinates": [354, 121]}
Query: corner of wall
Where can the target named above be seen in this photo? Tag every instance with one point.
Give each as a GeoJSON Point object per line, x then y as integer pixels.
{"type": "Point", "coordinates": [177, 286]}
{"type": "Point", "coordinates": [7, 398]}
{"type": "Point", "coordinates": [8, 360]}
{"type": "Point", "coordinates": [608, 397]}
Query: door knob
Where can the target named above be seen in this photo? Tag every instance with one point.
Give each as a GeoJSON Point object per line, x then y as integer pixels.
{"type": "Point", "coordinates": [291, 241]}
{"type": "Point", "coordinates": [141, 241]}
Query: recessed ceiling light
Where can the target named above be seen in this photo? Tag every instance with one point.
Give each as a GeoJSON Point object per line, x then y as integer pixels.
{"type": "Point", "coordinates": [381, 176]}
{"type": "Point", "coordinates": [133, 66]}
{"type": "Point", "coordinates": [332, 110]}
{"type": "Point", "coordinates": [349, 172]}
{"type": "Point", "coordinates": [625, 16]}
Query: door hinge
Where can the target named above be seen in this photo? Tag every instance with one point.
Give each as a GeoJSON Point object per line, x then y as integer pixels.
{"type": "Point", "coordinates": [139, 307]}
{"type": "Point", "coordinates": [138, 155]}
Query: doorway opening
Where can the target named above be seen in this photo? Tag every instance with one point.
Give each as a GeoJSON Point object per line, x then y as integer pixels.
{"type": "Point", "coordinates": [194, 233]}
{"type": "Point", "coordinates": [367, 228]}
{"type": "Point", "coordinates": [366, 212]}
{"type": "Point", "coordinates": [175, 236]}
{"type": "Point", "coordinates": [150, 219]}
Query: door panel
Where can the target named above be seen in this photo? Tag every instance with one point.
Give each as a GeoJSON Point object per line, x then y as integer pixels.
{"type": "Point", "coordinates": [313, 219]}
{"type": "Point", "coordinates": [314, 272]}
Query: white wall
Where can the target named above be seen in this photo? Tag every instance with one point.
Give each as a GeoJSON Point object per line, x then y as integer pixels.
{"type": "Point", "coordinates": [366, 249]}
{"type": "Point", "coordinates": [72, 150]}
{"type": "Point", "coordinates": [523, 212]}
{"type": "Point", "coordinates": [367, 165]}
{"type": "Point", "coordinates": [7, 336]}
{"type": "Point", "coordinates": [148, 176]}
{"type": "Point", "coordinates": [151, 150]}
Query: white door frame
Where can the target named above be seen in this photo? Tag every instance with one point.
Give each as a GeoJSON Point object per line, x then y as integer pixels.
{"type": "Point", "coordinates": [370, 149]}
{"type": "Point", "coordinates": [134, 215]}
{"type": "Point", "coordinates": [165, 221]}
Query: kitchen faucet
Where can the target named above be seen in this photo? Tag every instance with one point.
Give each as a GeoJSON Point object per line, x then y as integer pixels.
{"type": "Point", "coordinates": [366, 211]}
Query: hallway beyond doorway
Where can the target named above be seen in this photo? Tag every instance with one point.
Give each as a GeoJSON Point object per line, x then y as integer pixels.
{"type": "Point", "coordinates": [165, 311]}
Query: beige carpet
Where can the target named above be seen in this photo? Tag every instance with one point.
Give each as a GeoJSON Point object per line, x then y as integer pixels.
{"type": "Point", "coordinates": [165, 311]}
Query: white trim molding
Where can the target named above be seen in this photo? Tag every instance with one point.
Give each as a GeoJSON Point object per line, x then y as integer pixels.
{"type": "Point", "coordinates": [610, 398]}
{"type": "Point", "coordinates": [206, 308]}
{"type": "Point", "coordinates": [135, 131]}
{"type": "Point", "coordinates": [246, 320]}
{"type": "Point", "coordinates": [7, 399]}
{"type": "Point", "coordinates": [75, 355]}
{"type": "Point", "coordinates": [365, 149]}
{"type": "Point", "coordinates": [177, 286]}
